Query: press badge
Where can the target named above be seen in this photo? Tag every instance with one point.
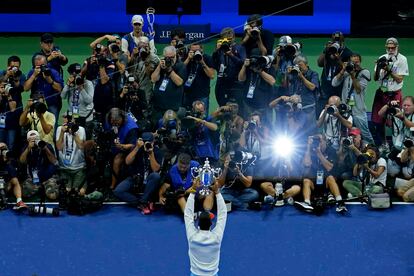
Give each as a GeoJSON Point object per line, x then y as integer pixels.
{"type": "Point", "coordinates": [2, 121]}
{"type": "Point", "coordinates": [164, 84]}
{"type": "Point", "coordinates": [250, 94]}
{"type": "Point", "coordinates": [190, 80]}
{"type": "Point", "coordinates": [67, 157]}
{"type": "Point", "coordinates": [75, 111]}
{"type": "Point", "coordinates": [35, 177]}
{"type": "Point", "coordinates": [319, 177]}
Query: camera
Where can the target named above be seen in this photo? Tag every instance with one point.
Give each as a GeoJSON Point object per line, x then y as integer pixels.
{"type": "Point", "coordinates": [115, 48]}
{"type": "Point", "coordinates": [255, 32]}
{"type": "Point", "coordinates": [38, 107]}
{"type": "Point", "coordinates": [242, 156]}
{"type": "Point", "coordinates": [41, 144]}
{"type": "Point", "coordinates": [393, 109]}
{"type": "Point", "coordinates": [252, 125]}
{"type": "Point", "coordinates": [181, 49]}
{"type": "Point", "coordinates": [261, 62]}
{"type": "Point", "coordinates": [16, 72]}
{"type": "Point", "coordinates": [344, 108]}
{"type": "Point", "coordinates": [363, 158]}
{"type": "Point", "coordinates": [225, 44]}
{"type": "Point", "coordinates": [148, 146]}
{"type": "Point", "coordinates": [294, 71]}
{"type": "Point", "coordinates": [5, 153]}
{"type": "Point", "coordinates": [350, 66]}
{"type": "Point", "coordinates": [408, 143]}
{"type": "Point", "coordinates": [198, 56]}
{"type": "Point", "coordinates": [79, 80]}
{"type": "Point", "coordinates": [45, 70]}
{"type": "Point", "coordinates": [290, 50]}
{"type": "Point", "coordinates": [332, 109]}
{"type": "Point", "coordinates": [43, 210]}
{"type": "Point", "coordinates": [333, 48]}
{"type": "Point", "coordinates": [72, 127]}
{"type": "Point", "coordinates": [348, 141]}
{"type": "Point", "coordinates": [168, 61]}
{"type": "Point", "coordinates": [382, 63]}
{"type": "Point", "coordinates": [232, 165]}
{"type": "Point", "coordinates": [103, 61]}
{"type": "Point", "coordinates": [98, 48]}
{"type": "Point", "coordinates": [143, 53]}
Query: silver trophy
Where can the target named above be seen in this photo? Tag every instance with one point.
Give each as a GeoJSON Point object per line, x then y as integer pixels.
{"type": "Point", "coordinates": [207, 176]}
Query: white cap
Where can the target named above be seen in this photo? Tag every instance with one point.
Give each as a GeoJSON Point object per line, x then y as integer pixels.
{"type": "Point", "coordinates": [137, 19]}
{"type": "Point", "coordinates": [284, 40]}
{"type": "Point", "coordinates": [33, 134]}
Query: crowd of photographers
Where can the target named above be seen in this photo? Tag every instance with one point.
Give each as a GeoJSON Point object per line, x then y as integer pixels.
{"type": "Point", "coordinates": [137, 123]}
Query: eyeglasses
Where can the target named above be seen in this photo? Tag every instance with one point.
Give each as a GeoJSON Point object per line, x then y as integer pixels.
{"type": "Point", "coordinates": [137, 24]}
{"type": "Point", "coordinates": [391, 48]}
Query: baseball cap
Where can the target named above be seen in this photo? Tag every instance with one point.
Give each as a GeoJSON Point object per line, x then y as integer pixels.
{"type": "Point", "coordinates": [147, 137]}
{"type": "Point", "coordinates": [392, 40]}
{"type": "Point", "coordinates": [284, 40]}
{"type": "Point", "coordinates": [33, 134]}
{"type": "Point", "coordinates": [354, 131]}
{"type": "Point", "coordinates": [137, 19]}
{"type": "Point", "coordinates": [46, 37]}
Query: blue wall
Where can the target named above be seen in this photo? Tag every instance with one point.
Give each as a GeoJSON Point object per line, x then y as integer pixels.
{"type": "Point", "coordinates": [109, 16]}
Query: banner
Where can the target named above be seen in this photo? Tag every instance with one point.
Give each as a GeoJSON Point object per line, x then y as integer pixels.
{"type": "Point", "coordinates": [192, 32]}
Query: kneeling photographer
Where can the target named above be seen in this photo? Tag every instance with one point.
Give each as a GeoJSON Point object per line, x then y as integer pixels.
{"type": "Point", "coordinates": [41, 163]}
{"type": "Point", "coordinates": [258, 76]}
{"type": "Point", "coordinates": [143, 175]}
{"type": "Point", "coordinates": [9, 180]}
{"type": "Point", "coordinates": [370, 174]}
{"type": "Point", "coordinates": [70, 139]}
{"type": "Point", "coordinates": [178, 186]}
{"type": "Point", "coordinates": [319, 163]}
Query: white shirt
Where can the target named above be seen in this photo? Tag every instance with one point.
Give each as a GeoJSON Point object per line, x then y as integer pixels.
{"type": "Point", "coordinates": [204, 246]}
{"type": "Point", "coordinates": [71, 151]}
{"type": "Point", "coordinates": [399, 66]}
{"type": "Point", "coordinates": [332, 127]}
{"type": "Point", "coordinates": [382, 178]}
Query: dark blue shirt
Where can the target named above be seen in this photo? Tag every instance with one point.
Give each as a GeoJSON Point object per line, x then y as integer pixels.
{"type": "Point", "coordinates": [41, 85]}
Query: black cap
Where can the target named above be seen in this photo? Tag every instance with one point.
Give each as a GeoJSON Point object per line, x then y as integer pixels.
{"type": "Point", "coordinates": [147, 137]}
{"type": "Point", "coordinates": [74, 68]}
{"type": "Point", "coordinates": [46, 37]}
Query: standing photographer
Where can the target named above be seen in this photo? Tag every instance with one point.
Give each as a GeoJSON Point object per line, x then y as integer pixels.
{"type": "Point", "coordinates": [354, 81]}
{"type": "Point", "coordinates": [228, 59]}
{"type": "Point", "coordinates": [390, 70]}
{"type": "Point", "coordinates": [168, 79]}
{"type": "Point", "coordinates": [200, 72]}
{"type": "Point", "coordinates": [70, 139]}
{"type": "Point", "coordinates": [256, 37]}
{"type": "Point", "coordinates": [258, 76]}
{"type": "Point", "coordinates": [131, 40]}
{"type": "Point", "coordinates": [40, 160]}
{"type": "Point", "coordinates": [79, 93]}
{"type": "Point", "coordinates": [36, 117]}
{"type": "Point", "coordinates": [10, 100]}
{"type": "Point", "coordinates": [143, 174]}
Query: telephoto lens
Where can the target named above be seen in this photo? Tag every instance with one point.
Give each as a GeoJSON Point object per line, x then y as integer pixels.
{"type": "Point", "coordinates": [43, 210]}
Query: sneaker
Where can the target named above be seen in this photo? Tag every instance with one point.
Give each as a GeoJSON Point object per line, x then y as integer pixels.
{"type": "Point", "coordinates": [349, 195]}
{"type": "Point", "coordinates": [304, 206]}
{"type": "Point", "coordinates": [290, 200]}
{"type": "Point", "coordinates": [144, 208]}
{"type": "Point", "coordinates": [331, 198]}
{"type": "Point", "coordinates": [279, 201]}
{"type": "Point", "coordinates": [151, 206]}
{"type": "Point", "coordinates": [20, 205]}
{"type": "Point", "coordinates": [341, 208]}
{"type": "Point", "coordinates": [268, 200]}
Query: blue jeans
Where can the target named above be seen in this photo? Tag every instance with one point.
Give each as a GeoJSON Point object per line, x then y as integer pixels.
{"type": "Point", "coordinates": [240, 198]}
{"type": "Point", "coordinates": [9, 137]}
{"type": "Point", "coordinates": [362, 123]}
{"type": "Point", "coordinates": [124, 189]}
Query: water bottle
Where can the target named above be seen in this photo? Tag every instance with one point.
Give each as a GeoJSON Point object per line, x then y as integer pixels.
{"type": "Point", "coordinates": [279, 188]}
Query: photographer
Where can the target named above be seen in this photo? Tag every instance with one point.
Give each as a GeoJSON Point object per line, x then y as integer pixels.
{"type": "Point", "coordinates": [303, 86]}
{"type": "Point", "coordinates": [45, 79]}
{"type": "Point", "coordinates": [9, 176]}
{"type": "Point", "coordinates": [333, 55]}
{"type": "Point", "coordinates": [370, 169]}
{"type": "Point", "coordinates": [334, 120]}
{"type": "Point", "coordinates": [390, 70]}
{"type": "Point", "coordinates": [400, 120]}
{"type": "Point", "coordinates": [230, 127]}
{"type": "Point", "coordinates": [406, 191]}
{"type": "Point", "coordinates": [125, 132]}
{"type": "Point", "coordinates": [256, 37]}
{"type": "Point", "coordinates": [168, 79]}
{"type": "Point", "coordinates": [178, 184]}
{"type": "Point", "coordinates": [41, 163]}
{"type": "Point", "coordinates": [200, 72]}
{"type": "Point", "coordinates": [354, 81]}
{"type": "Point", "coordinates": [201, 133]}
{"type": "Point", "coordinates": [13, 74]}
{"type": "Point", "coordinates": [79, 93]}
{"type": "Point", "coordinates": [70, 139]}
{"type": "Point", "coordinates": [10, 104]}
{"type": "Point", "coordinates": [258, 76]}
{"type": "Point", "coordinates": [228, 59]}
{"type": "Point", "coordinates": [36, 117]}
{"type": "Point", "coordinates": [255, 135]}
{"type": "Point", "coordinates": [53, 54]}
{"type": "Point", "coordinates": [319, 161]}
{"type": "Point", "coordinates": [236, 180]}
{"type": "Point", "coordinates": [141, 67]}
{"type": "Point", "coordinates": [90, 67]}
{"type": "Point", "coordinates": [143, 174]}
{"type": "Point", "coordinates": [131, 40]}
{"type": "Point", "coordinates": [178, 41]}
